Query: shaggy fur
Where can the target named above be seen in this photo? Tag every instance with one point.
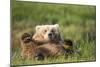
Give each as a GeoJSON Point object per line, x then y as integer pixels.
{"type": "Point", "coordinates": [27, 46]}
{"type": "Point", "coordinates": [32, 49]}
{"type": "Point", "coordinates": [46, 33]}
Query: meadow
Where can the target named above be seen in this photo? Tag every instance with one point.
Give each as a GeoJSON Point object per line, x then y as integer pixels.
{"type": "Point", "coordinates": [77, 22]}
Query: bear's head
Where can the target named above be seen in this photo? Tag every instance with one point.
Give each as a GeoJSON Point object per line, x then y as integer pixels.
{"type": "Point", "coordinates": [46, 33]}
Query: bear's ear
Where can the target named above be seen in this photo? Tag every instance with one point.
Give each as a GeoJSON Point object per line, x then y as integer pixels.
{"type": "Point", "coordinates": [37, 28]}
{"type": "Point", "coordinates": [57, 25]}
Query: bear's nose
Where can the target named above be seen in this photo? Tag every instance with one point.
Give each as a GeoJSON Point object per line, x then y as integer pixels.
{"type": "Point", "coordinates": [50, 34]}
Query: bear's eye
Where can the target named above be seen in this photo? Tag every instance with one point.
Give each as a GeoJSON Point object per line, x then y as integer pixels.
{"type": "Point", "coordinates": [52, 30]}
{"type": "Point", "coordinates": [45, 31]}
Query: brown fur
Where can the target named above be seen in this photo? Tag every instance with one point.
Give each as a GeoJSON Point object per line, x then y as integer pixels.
{"type": "Point", "coordinates": [46, 33]}
{"type": "Point", "coordinates": [27, 46]}
{"type": "Point", "coordinates": [32, 49]}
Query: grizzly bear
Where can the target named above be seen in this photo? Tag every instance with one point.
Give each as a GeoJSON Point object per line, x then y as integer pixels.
{"type": "Point", "coordinates": [46, 42]}
{"type": "Point", "coordinates": [51, 34]}
{"type": "Point", "coordinates": [32, 49]}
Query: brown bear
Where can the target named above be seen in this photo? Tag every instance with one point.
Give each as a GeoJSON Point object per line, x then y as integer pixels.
{"type": "Point", "coordinates": [51, 34]}
{"type": "Point", "coordinates": [51, 39]}
{"type": "Point", "coordinates": [32, 49]}
{"type": "Point", "coordinates": [46, 42]}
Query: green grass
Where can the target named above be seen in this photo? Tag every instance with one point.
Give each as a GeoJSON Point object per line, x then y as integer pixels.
{"type": "Point", "coordinates": [77, 22]}
{"type": "Point", "coordinates": [87, 53]}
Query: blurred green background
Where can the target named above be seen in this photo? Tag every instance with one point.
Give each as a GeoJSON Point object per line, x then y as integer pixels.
{"type": "Point", "coordinates": [77, 22]}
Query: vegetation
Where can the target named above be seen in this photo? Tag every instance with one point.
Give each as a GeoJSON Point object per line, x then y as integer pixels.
{"type": "Point", "coordinates": [77, 22]}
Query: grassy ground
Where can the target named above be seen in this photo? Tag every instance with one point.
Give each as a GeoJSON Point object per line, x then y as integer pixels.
{"type": "Point", "coordinates": [76, 22]}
